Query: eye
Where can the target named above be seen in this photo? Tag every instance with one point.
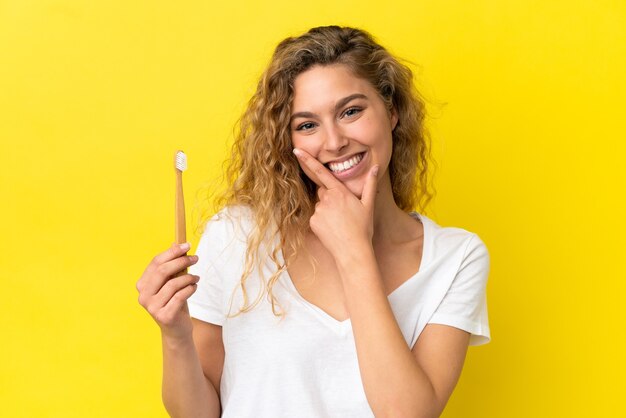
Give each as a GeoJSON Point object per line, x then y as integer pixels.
{"type": "Point", "coordinates": [352, 111]}
{"type": "Point", "coordinates": [305, 126]}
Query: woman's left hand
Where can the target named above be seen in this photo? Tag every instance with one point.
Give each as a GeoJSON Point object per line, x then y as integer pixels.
{"type": "Point", "coordinates": [341, 220]}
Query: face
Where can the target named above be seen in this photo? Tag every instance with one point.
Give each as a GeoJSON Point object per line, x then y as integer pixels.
{"type": "Point", "coordinates": [341, 120]}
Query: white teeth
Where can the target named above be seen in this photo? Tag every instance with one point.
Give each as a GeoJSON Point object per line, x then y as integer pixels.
{"type": "Point", "coordinates": [339, 167]}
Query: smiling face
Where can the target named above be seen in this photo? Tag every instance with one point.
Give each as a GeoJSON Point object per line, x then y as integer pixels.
{"type": "Point", "coordinates": [342, 121]}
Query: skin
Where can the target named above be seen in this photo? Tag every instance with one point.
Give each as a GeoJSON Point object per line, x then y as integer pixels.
{"type": "Point", "coordinates": [362, 124]}
{"type": "Point", "coordinates": [187, 387]}
{"type": "Point", "coordinates": [357, 222]}
{"type": "Point", "coordinates": [398, 382]}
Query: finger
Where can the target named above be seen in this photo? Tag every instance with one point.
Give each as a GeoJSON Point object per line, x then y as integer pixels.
{"type": "Point", "coordinates": [368, 195]}
{"type": "Point", "coordinates": [324, 175]}
{"type": "Point", "coordinates": [176, 250]}
{"type": "Point", "coordinates": [167, 314]}
{"type": "Point", "coordinates": [165, 271]}
{"type": "Point", "coordinates": [320, 193]}
{"type": "Point", "coordinates": [172, 286]}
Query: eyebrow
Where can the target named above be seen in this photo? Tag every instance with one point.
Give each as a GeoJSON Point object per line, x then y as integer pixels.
{"type": "Point", "coordinates": [341, 103]}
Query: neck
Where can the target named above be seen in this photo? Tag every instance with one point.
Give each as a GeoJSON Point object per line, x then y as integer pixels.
{"type": "Point", "coordinates": [387, 215]}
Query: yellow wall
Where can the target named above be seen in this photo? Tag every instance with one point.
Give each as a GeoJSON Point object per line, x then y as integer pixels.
{"type": "Point", "coordinates": [96, 95]}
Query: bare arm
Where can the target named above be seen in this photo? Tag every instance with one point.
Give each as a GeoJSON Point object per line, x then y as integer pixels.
{"type": "Point", "coordinates": [186, 391]}
{"type": "Point", "coordinates": [398, 382]}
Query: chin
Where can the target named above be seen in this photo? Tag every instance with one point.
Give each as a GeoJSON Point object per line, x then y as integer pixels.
{"type": "Point", "coordinates": [358, 192]}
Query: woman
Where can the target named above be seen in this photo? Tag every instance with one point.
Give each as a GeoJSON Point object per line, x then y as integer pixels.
{"type": "Point", "coordinates": [363, 308]}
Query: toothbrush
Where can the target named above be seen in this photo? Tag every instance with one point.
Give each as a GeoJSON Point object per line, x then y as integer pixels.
{"type": "Point", "coordinates": [180, 165]}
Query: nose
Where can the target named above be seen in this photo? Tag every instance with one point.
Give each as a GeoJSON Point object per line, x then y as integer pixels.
{"type": "Point", "coordinates": [335, 140]}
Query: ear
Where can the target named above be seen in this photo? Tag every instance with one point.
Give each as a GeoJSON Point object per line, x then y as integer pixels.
{"type": "Point", "coordinates": [393, 117]}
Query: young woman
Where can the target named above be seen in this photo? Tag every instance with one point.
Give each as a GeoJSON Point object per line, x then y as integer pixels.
{"type": "Point", "coordinates": [362, 307]}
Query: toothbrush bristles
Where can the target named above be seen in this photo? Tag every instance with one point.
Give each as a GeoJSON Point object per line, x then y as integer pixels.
{"type": "Point", "coordinates": [181, 161]}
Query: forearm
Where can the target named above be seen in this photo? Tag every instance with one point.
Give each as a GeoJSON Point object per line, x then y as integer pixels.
{"type": "Point", "coordinates": [394, 383]}
{"type": "Point", "coordinates": [186, 391]}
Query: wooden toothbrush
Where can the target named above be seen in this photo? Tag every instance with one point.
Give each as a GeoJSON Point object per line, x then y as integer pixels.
{"type": "Point", "coordinates": [180, 165]}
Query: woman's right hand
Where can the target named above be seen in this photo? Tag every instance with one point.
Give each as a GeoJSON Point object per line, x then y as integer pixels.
{"type": "Point", "coordinates": [164, 295]}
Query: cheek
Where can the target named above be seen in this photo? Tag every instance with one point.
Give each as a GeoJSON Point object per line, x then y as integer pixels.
{"type": "Point", "coordinates": [368, 131]}
{"type": "Point", "coordinates": [307, 144]}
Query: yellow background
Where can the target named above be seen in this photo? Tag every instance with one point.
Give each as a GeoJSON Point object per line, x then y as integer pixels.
{"type": "Point", "coordinates": [527, 102]}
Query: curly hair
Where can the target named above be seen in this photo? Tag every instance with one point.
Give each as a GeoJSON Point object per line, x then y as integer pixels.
{"type": "Point", "coordinates": [263, 174]}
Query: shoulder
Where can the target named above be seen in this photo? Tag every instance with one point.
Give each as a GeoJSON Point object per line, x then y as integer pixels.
{"type": "Point", "coordinates": [224, 236]}
{"type": "Point", "coordinates": [234, 221]}
{"type": "Point", "coordinates": [450, 239]}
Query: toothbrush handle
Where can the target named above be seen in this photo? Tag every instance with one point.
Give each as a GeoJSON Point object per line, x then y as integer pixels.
{"type": "Point", "coordinates": [181, 235]}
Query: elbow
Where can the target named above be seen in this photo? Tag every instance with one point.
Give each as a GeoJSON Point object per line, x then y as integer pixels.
{"type": "Point", "coordinates": [414, 407]}
{"type": "Point", "coordinates": [421, 412]}
{"type": "Point", "coordinates": [416, 413]}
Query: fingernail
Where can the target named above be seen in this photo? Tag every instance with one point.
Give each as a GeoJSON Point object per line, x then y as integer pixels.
{"type": "Point", "coordinates": [297, 152]}
{"type": "Point", "coordinates": [185, 246]}
{"type": "Point", "coordinates": [375, 171]}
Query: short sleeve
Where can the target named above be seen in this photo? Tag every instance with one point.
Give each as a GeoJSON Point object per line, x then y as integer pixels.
{"type": "Point", "coordinates": [465, 304]}
{"type": "Point", "coordinates": [206, 302]}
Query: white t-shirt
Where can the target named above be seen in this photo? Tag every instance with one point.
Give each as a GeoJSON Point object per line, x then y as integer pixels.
{"type": "Point", "coordinates": [306, 365]}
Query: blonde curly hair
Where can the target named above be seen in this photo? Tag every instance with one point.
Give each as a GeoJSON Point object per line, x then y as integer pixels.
{"type": "Point", "coordinates": [263, 174]}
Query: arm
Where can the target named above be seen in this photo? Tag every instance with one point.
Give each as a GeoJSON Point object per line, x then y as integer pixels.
{"type": "Point", "coordinates": [186, 391]}
{"type": "Point", "coordinates": [398, 382]}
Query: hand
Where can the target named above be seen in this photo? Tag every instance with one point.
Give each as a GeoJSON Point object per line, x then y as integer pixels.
{"type": "Point", "coordinates": [165, 296]}
{"type": "Point", "coordinates": [341, 221]}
